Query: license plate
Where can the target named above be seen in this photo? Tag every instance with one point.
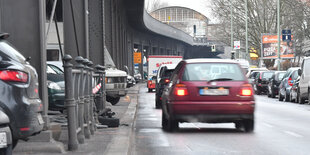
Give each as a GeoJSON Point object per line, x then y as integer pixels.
{"type": "Point", "coordinates": [214, 92]}
{"type": "Point", "coordinates": [40, 119]}
{"type": "Point", "coordinates": [3, 140]}
{"type": "Point", "coordinates": [122, 92]}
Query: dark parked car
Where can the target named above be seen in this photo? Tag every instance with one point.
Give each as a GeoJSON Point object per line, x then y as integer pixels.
{"type": "Point", "coordinates": [304, 82]}
{"type": "Point", "coordinates": [274, 82]}
{"type": "Point", "coordinates": [19, 98]}
{"type": "Point", "coordinates": [56, 88]}
{"type": "Point", "coordinates": [261, 81]}
{"type": "Point", "coordinates": [164, 80]}
{"type": "Point", "coordinates": [208, 90]}
{"type": "Point", "coordinates": [287, 82]}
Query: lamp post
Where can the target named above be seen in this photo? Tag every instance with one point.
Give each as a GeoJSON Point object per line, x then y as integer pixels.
{"type": "Point", "coordinates": [278, 24]}
{"type": "Point", "coordinates": [231, 26]}
{"type": "Point", "coordinates": [246, 30]}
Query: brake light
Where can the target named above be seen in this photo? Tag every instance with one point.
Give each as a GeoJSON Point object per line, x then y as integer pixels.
{"type": "Point", "coordinates": [180, 90]}
{"type": "Point", "coordinates": [290, 81]}
{"type": "Point", "coordinates": [260, 76]}
{"type": "Point", "coordinates": [13, 76]}
{"type": "Point", "coordinates": [246, 90]}
{"type": "Point", "coordinates": [167, 80]}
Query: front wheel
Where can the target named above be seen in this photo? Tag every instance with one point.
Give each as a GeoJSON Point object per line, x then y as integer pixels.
{"type": "Point", "coordinates": [301, 100]}
{"type": "Point", "coordinates": [280, 97]}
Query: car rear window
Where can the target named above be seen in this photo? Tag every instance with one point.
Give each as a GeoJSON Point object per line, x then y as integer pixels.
{"type": "Point", "coordinates": [7, 50]}
{"type": "Point", "coordinates": [212, 71]}
{"type": "Point", "coordinates": [267, 75]}
{"type": "Point", "coordinates": [280, 76]}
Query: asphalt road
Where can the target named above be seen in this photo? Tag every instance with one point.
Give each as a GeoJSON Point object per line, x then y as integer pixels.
{"type": "Point", "coordinates": [281, 128]}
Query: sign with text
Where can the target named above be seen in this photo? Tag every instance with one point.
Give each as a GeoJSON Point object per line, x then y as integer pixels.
{"type": "Point", "coordinates": [137, 57]}
{"type": "Point", "coordinates": [236, 44]}
{"type": "Point", "coordinates": [270, 47]}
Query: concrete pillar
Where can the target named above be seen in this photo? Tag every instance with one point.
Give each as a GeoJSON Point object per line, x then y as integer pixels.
{"type": "Point", "coordinates": [25, 22]}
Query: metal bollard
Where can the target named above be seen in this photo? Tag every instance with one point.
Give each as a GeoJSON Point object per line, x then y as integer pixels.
{"type": "Point", "coordinates": [86, 99]}
{"type": "Point", "coordinates": [91, 95]}
{"type": "Point", "coordinates": [80, 67]}
{"type": "Point", "coordinates": [101, 99]}
{"type": "Point", "coordinates": [70, 104]}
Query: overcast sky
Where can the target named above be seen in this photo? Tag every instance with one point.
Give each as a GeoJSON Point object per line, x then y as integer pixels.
{"type": "Point", "coordinates": [202, 6]}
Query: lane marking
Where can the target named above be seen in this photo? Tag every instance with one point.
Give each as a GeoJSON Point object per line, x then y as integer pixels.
{"type": "Point", "coordinates": [268, 125]}
{"type": "Point", "coordinates": [293, 134]}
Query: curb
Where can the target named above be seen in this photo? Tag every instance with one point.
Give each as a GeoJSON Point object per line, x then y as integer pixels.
{"type": "Point", "coordinates": [121, 143]}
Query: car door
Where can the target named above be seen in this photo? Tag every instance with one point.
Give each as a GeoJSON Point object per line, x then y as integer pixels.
{"type": "Point", "coordinates": [305, 78]}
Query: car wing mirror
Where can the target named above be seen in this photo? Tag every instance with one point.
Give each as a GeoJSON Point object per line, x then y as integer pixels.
{"type": "Point", "coordinates": [299, 72]}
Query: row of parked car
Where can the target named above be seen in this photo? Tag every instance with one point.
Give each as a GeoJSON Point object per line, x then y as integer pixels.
{"type": "Point", "coordinates": [292, 85]}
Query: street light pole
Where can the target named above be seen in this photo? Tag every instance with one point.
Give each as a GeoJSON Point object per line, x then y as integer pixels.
{"type": "Point", "coordinates": [231, 26]}
{"type": "Point", "coordinates": [278, 24]}
{"type": "Point", "coordinates": [246, 30]}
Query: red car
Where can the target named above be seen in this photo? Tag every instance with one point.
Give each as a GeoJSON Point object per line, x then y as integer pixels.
{"type": "Point", "coordinates": [208, 90]}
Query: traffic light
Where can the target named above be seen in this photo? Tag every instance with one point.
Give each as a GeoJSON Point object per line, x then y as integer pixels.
{"type": "Point", "coordinates": [233, 55]}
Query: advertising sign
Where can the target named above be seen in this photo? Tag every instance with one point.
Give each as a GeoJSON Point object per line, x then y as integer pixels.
{"type": "Point", "coordinates": [137, 57]}
{"type": "Point", "coordinates": [270, 47]}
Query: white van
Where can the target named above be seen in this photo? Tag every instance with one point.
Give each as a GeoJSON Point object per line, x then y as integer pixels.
{"type": "Point", "coordinates": [304, 81]}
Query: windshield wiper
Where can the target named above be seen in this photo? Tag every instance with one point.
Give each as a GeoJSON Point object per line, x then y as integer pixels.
{"type": "Point", "coordinates": [220, 79]}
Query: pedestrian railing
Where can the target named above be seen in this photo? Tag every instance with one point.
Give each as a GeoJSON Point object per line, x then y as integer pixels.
{"type": "Point", "coordinates": [79, 100]}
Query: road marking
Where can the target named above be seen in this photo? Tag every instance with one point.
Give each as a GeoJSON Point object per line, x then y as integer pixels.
{"type": "Point", "coordinates": [150, 130]}
{"type": "Point", "coordinates": [268, 125]}
{"type": "Point", "coordinates": [148, 119]}
{"type": "Point", "coordinates": [293, 134]}
{"type": "Point", "coordinates": [195, 126]}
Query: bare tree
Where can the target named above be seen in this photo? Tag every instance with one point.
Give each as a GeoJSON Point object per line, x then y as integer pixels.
{"type": "Point", "coordinates": [262, 19]}
{"type": "Point", "coordinates": [152, 5]}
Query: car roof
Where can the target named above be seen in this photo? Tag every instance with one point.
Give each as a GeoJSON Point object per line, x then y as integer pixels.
{"type": "Point", "coordinates": [201, 60]}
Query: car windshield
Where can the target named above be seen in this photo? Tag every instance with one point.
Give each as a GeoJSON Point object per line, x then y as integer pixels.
{"type": "Point", "coordinates": [213, 72]}
{"type": "Point", "coordinates": [7, 50]}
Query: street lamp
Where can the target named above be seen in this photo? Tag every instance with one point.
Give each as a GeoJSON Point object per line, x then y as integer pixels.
{"type": "Point", "coordinates": [246, 30]}
{"type": "Point", "coordinates": [231, 26]}
{"type": "Point", "coordinates": [278, 24]}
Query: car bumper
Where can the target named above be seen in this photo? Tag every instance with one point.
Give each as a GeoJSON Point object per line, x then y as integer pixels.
{"type": "Point", "coordinates": [56, 101]}
{"type": "Point", "coordinates": [116, 93]}
{"type": "Point", "coordinates": [211, 111]}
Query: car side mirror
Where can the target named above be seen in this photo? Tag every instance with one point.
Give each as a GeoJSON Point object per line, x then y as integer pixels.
{"type": "Point", "coordinates": [28, 59]}
{"type": "Point", "coordinates": [154, 78]}
{"type": "Point", "coordinates": [299, 72]}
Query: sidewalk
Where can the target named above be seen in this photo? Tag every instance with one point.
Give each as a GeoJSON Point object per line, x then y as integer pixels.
{"type": "Point", "coordinates": [105, 140]}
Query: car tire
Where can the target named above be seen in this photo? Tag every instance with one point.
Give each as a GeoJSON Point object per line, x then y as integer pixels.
{"type": "Point", "coordinates": [7, 151]}
{"type": "Point", "coordinates": [297, 98]}
{"type": "Point", "coordinates": [168, 124]}
{"type": "Point", "coordinates": [268, 94]}
{"type": "Point", "coordinates": [280, 97]}
{"type": "Point", "coordinates": [248, 125]}
{"type": "Point", "coordinates": [14, 143]}
{"type": "Point", "coordinates": [272, 95]}
{"type": "Point", "coordinates": [157, 104]}
{"type": "Point", "coordinates": [286, 97]}
{"type": "Point", "coordinates": [301, 100]}
{"type": "Point", "coordinates": [113, 100]}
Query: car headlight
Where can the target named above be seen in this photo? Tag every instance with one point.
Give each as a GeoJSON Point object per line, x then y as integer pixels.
{"type": "Point", "coordinates": [53, 85]}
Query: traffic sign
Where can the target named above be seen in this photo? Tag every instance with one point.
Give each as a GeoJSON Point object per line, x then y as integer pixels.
{"type": "Point", "coordinates": [213, 49]}
{"type": "Point", "coordinates": [137, 57]}
{"type": "Point", "coordinates": [286, 35]}
{"type": "Point", "coordinates": [236, 44]}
